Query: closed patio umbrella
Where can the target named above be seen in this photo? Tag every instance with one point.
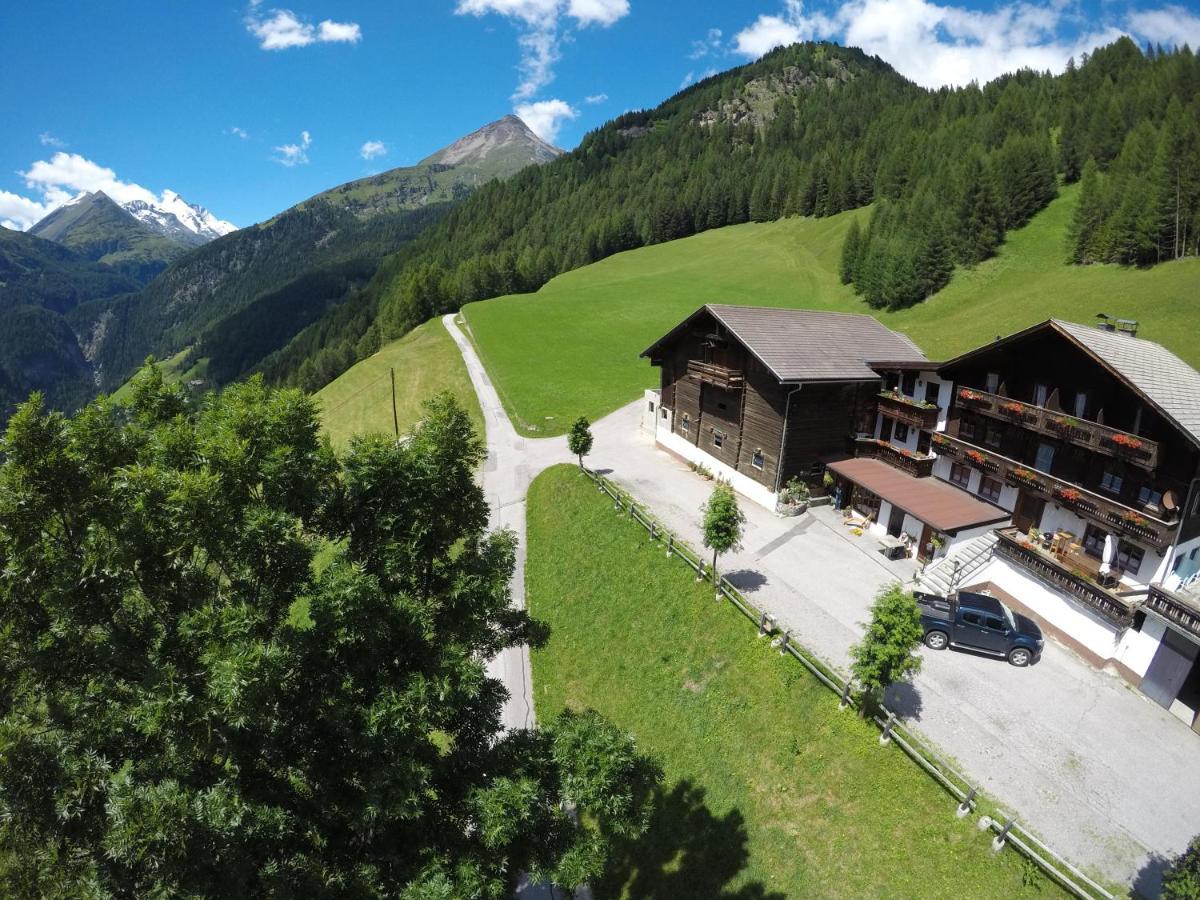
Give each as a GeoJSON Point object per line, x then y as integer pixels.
{"type": "Point", "coordinates": [1110, 550]}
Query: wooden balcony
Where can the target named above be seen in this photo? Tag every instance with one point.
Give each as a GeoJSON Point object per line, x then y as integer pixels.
{"type": "Point", "coordinates": [1111, 515]}
{"type": "Point", "coordinates": [904, 460]}
{"type": "Point", "coordinates": [1182, 609]}
{"type": "Point", "coordinates": [911, 412]}
{"type": "Point", "coordinates": [1063, 574]}
{"type": "Point", "coordinates": [722, 377]}
{"type": "Point", "coordinates": [1111, 441]}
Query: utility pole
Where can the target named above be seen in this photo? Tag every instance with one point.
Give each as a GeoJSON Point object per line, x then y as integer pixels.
{"type": "Point", "coordinates": [395, 418]}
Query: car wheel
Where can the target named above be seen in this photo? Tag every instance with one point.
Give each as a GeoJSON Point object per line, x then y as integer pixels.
{"type": "Point", "coordinates": [937, 640]}
{"type": "Point", "coordinates": [1020, 657]}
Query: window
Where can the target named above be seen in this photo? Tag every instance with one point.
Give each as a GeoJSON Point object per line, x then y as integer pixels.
{"type": "Point", "coordinates": [718, 439]}
{"type": "Point", "coordinates": [757, 460]}
{"type": "Point", "coordinates": [960, 475]}
{"type": "Point", "coordinates": [1112, 481]}
{"type": "Point", "coordinates": [900, 432]}
{"type": "Point", "coordinates": [1093, 541]}
{"type": "Point", "coordinates": [1045, 458]}
{"type": "Point", "coordinates": [993, 382]}
{"type": "Point", "coordinates": [1129, 558]}
{"type": "Point", "coordinates": [989, 489]}
{"type": "Point", "coordinates": [651, 402]}
{"type": "Point", "coordinates": [908, 384]}
{"type": "Point", "coordinates": [994, 623]}
{"type": "Point", "coordinates": [1148, 495]}
{"type": "Point", "coordinates": [994, 436]}
{"type": "Point", "coordinates": [966, 429]}
{"type": "Point", "coordinates": [664, 412]}
{"type": "Point", "coordinates": [891, 380]}
{"type": "Point", "coordinates": [973, 618]}
{"type": "Point", "coordinates": [686, 425]}
{"type": "Point", "coordinates": [1081, 399]}
{"type": "Point", "coordinates": [1040, 393]}
{"type": "Point", "coordinates": [931, 391]}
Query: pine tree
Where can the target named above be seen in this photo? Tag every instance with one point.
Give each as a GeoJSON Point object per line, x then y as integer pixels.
{"type": "Point", "coordinates": [851, 251]}
{"type": "Point", "coordinates": [1084, 232]}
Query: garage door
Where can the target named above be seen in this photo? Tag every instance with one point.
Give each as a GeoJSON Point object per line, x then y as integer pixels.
{"type": "Point", "coordinates": [1169, 668]}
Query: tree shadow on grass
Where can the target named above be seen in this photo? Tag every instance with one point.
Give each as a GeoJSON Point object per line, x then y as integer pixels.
{"type": "Point", "coordinates": [686, 852]}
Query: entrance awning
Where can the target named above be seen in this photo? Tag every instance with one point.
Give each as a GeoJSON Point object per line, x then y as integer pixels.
{"type": "Point", "coordinates": [940, 505]}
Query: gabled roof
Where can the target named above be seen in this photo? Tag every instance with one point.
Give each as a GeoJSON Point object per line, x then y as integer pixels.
{"type": "Point", "coordinates": [799, 345]}
{"type": "Point", "coordinates": [1152, 371]}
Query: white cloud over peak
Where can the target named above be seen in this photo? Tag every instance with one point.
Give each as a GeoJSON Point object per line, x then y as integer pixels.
{"type": "Point", "coordinates": [541, 23]}
{"type": "Point", "coordinates": [18, 213]}
{"type": "Point", "coordinates": [373, 150]}
{"type": "Point", "coordinates": [546, 118]}
{"type": "Point", "coordinates": [935, 44]}
{"type": "Point", "coordinates": [282, 29]}
{"type": "Point", "coordinates": [294, 154]}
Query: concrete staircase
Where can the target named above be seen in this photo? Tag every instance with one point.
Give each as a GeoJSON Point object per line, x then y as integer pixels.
{"type": "Point", "coordinates": [956, 568]}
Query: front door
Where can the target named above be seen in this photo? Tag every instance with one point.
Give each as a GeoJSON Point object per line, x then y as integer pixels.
{"type": "Point", "coordinates": [896, 522]}
{"type": "Point", "coordinates": [925, 548]}
{"type": "Point", "coordinates": [1169, 668]}
{"type": "Point", "coordinates": [1028, 511]}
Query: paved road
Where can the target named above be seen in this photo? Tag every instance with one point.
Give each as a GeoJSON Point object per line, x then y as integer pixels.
{"type": "Point", "coordinates": [1106, 777]}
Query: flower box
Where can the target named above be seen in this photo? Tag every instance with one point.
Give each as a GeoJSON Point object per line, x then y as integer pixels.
{"type": "Point", "coordinates": [1126, 441]}
{"type": "Point", "coordinates": [1067, 495]}
{"type": "Point", "coordinates": [968, 395]}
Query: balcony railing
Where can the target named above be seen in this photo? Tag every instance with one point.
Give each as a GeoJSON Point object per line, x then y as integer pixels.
{"type": "Point", "coordinates": [1114, 516]}
{"type": "Point", "coordinates": [730, 379]}
{"type": "Point", "coordinates": [905, 460]}
{"type": "Point", "coordinates": [1014, 546]}
{"type": "Point", "coordinates": [1183, 611]}
{"type": "Point", "coordinates": [1111, 441]}
{"type": "Point", "coordinates": [911, 412]}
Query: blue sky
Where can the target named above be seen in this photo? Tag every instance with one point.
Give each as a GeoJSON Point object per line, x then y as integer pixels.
{"type": "Point", "coordinates": [248, 108]}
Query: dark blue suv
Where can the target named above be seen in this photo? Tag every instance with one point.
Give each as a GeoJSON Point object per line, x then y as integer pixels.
{"type": "Point", "coordinates": [981, 623]}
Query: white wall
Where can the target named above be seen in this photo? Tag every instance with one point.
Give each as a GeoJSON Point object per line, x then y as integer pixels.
{"type": "Point", "coordinates": [747, 487]}
{"type": "Point", "coordinates": [1137, 648]}
{"type": "Point", "coordinates": [1054, 607]}
{"type": "Point", "coordinates": [1189, 554]}
{"type": "Point", "coordinates": [650, 410]}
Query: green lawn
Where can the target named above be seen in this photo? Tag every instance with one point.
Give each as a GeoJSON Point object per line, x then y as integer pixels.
{"type": "Point", "coordinates": [426, 360]}
{"type": "Point", "coordinates": [572, 348]}
{"type": "Point", "coordinates": [769, 790]}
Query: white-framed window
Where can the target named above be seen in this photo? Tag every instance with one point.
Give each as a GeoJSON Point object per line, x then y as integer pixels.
{"type": "Point", "coordinates": [651, 402]}
{"type": "Point", "coordinates": [686, 425]}
{"type": "Point", "coordinates": [718, 439]}
{"type": "Point", "coordinates": [757, 461]}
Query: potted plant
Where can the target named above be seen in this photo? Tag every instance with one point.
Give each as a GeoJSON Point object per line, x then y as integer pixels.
{"type": "Point", "coordinates": [1132, 518]}
{"type": "Point", "coordinates": [794, 497]}
{"type": "Point", "coordinates": [977, 458]}
{"type": "Point", "coordinates": [967, 395]}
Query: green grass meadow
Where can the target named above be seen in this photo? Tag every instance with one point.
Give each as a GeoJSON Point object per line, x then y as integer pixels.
{"type": "Point", "coordinates": [426, 360]}
{"type": "Point", "coordinates": [769, 790]}
{"type": "Point", "coordinates": [572, 348]}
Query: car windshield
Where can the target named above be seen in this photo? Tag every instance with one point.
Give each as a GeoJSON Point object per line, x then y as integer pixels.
{"type": "Point", "coordinates": [1008, 617]}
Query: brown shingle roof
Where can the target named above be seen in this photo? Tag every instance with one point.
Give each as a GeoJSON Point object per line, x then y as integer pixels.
{"type": "Point", "coordinates": [936, 503]}
{"type": "Point", "coordinates": [811, 345]}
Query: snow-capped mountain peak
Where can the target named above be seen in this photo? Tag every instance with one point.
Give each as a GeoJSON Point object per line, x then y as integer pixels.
{"type": "Point", "coordinates": [176, 218]}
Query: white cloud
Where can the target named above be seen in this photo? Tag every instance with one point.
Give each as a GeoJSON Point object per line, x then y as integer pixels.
{"type": "Point", "coordinates": [294, 154]}
{"type": "Point", "coordinates": [282, 29]}
{"type": "Point", "coordinates": [49, 140]}
{"type": "Point", "coordinates": [593, 99]}
{"type": "Point", "coordinates": [541, 26]}
{"type": "Point", "coordinates": [687, 79]}
{"type": "Point", "coordinates": [21, 212]}
{"type": "Point", "coordinates": [710, 44]}
{"type": "Point", "coordinates": [373, 149]}
{"type": "Point", "coordinates": [1170, 26]}
{"type": "Point", "coordinates": [546, 118]}
{"type": "Point", "coordinates": [932, 44]}
{"type": "Point", "coordinates": [238, 132]}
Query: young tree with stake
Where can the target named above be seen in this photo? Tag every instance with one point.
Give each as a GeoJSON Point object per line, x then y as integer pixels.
{"type": "Point", "coordinates": [723, 526]}
{"type": "Point", "coordinates": [579, 439]}
{"type": "Point", "coordinates": [885, 653]}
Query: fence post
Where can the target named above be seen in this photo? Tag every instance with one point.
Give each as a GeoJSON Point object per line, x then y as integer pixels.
{"type": "Point", "coordinates": [964, 808]}
{"type": "Point", "coordinates": [845, 700]}
{"type": "Point", "coordinates": [886, 736]}
{"type": "Point", "coordinates": [762, 624]}
{"type": "Point", "coordinates": [782, 642]}
{"type": "Point", "coordinates": [699, 570]}
{"type": "Point", "coordinates": [653, 532]}
{"type": "Point", "coordinates": [1002, 838]}
{"type": "Point", "coordinates": [670, 544]}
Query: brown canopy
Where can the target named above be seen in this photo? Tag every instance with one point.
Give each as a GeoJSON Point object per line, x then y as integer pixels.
{"type": "Point", "coordinates": [936, 503]}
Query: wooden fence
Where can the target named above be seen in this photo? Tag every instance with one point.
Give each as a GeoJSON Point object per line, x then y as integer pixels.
{"type": "Point", "coordinates": [970, 800]}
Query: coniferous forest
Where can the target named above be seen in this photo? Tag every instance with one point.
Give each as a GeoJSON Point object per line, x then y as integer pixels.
{"type": "Point", "coordinates": [816, 129]}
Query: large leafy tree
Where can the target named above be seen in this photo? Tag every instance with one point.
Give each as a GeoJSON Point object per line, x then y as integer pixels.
{"type": "Point", "coordinates": [231, 664]}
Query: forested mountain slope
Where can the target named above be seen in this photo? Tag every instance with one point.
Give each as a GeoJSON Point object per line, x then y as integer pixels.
{"type": "Point", "coordinates": [238, 298]}
{"type": "Point", "coordinates": [572, 348]}
{"type": "Point", "coordinates": [811, 129]}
